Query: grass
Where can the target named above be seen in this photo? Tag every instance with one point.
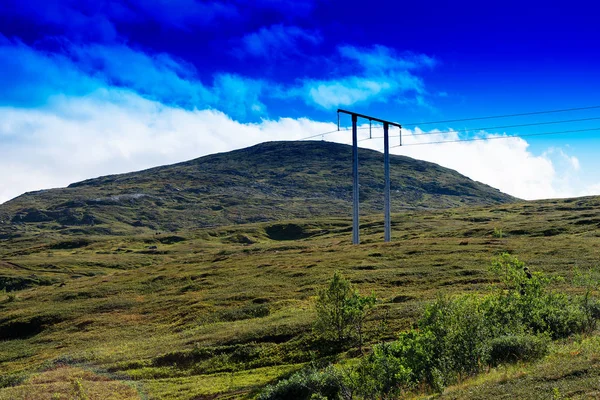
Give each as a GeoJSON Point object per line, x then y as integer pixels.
{"type": "Point", "coordinates": [219, 312]}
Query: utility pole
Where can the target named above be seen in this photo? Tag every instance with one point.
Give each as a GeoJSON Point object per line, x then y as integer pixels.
{"type": "Point", "coordinates": [355, 196]}
{"type": "Point", "coordinates": [386, 172]}
{"type": "Point", "coordinates": [386, 166]}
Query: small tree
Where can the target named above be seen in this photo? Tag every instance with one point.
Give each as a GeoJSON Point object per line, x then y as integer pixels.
{"type": "Point", "coordinates": [341, 311]}
{"type": "Point", "coordinates": [589, 280]}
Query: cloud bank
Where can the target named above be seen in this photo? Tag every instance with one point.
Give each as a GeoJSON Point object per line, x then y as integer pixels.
{"type": "Point", "coordinates": [116, 131]}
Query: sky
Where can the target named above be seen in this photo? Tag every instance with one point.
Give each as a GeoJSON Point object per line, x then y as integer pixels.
{"type": "Point", "coordinates": [90, 88]}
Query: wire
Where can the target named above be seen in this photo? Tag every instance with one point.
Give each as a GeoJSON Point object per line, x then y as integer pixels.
{"type": "Point", "coordinates": [504, 116]}
{"type": "Point", "coordinates": [322, 134]}
{"type": "Point", "coordinates": [507, 126]}
{"type": "Point", "coordinates": [360, 128]}
{"type": "Point", "coordinates": [501, 137]}
{"type": "Point", "coordinates": [487, 128]}
{"type": "Point", "coordinates": [478, 118]}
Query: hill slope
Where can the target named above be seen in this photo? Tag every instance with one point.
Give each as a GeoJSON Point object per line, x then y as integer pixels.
{"type": "Point", "coordinates": [269, 181]}
{"type": "Point", "coordinates": [206, 316]}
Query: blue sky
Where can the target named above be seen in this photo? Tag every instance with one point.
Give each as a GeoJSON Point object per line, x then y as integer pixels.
{"type": "Point", "coordinates": [92, 88]}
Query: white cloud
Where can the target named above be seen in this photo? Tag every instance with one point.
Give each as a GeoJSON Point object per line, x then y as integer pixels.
{"type": "Point", "coordinates": [506, 164]}
{"type": "Point", "coordinates": [115, 131]}
{"type": "Point", "coordinates": [35, 76]}
{"type": "Point", "coordinates": [588, 190]}
{"type": "Point", "coordinates": [382, 59]}
{"type": "Point", "coordinates": [375, 74]}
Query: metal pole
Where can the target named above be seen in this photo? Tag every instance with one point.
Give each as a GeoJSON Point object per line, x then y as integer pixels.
{"type": "Point", "coordinates": [386, 172]}
{"type": "Point", "coordinates": [355, 194]}
{"type": "Point", "coordinates": [355, 225]}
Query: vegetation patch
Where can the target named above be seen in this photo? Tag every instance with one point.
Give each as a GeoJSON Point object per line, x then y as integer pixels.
{"type": "Point", "coordinates": [70, 244]}
{"type": "Point", "coordinates": [286, 232]}
{"type": "Point", "coordinates": [171, 239]}
{"type": "Point", "coordinates": [12, 283]}
{"type": "Point", "coordinates": [241, 239]}
{"type": "Point", "coordinates": [122, 310]}
{"type": "Point", "coordinates": [517, 347]}
{"type": "Point", "coordinates": [402, 298]}
{"type": "Point", "coordinates": [455, 337]}
{"type": "Point", "coordinates": [245, 312]}
{"type": "Point", "coordinates": [26, 327]}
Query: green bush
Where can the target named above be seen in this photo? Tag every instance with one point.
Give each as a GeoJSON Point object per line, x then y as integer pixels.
{"type": "Point", "coordinates": [381, 374]}
{"type": "Point", "coordinates": [523, 304]}
{"type": "Point", "coordinates": [341, 311]}
{"type": "Point", "coordinates": [589, 280]}
{"type": "Point", "coordinates": [559, 315]}
{"type": "Point", "coordinates": [304, 385]}
{"type": "Point", "coordinates": [454, 338]}
{"type": "Point", "coordinates": [460, 334]}
{"type": "Point", "coordinates": [513, 348]}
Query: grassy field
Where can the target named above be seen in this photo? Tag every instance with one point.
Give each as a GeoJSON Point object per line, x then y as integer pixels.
{"type": "Point", "coordinates": [221, 312]}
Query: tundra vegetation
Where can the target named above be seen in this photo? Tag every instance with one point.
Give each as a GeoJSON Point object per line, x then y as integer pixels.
{"type": "Point", "coordinates": [455, 337]}
{"type": "Point", "coordinates": [237, 311]}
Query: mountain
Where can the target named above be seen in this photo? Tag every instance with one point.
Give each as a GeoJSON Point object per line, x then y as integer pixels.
{"type": "Point", "coordinates": [269, 181]}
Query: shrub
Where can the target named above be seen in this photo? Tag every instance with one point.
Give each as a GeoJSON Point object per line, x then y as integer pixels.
{"type": "Point", "coordinates": [460, 334]}
{"type": "Point", "coordinates": [523, 304]}
{"type": "Point", "coordinates": [454, 338]}
{"type": "Point", "coordinates": [341, 311]}
{"type": "Point", "coordinates": [589, 280]}
{"type": "Point", "coordinates": [304, 385]}
{"type": "Point", "coordinates": [558, 315]}
{"type": "Point", "coordinates": [381, 374]}
{"type": "Point", "coordinates": [458, 337]}
{"type": "Point", "coordinates": [513, 348]}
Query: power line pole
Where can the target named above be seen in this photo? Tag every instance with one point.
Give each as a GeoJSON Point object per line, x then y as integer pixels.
{"type": "Point", "coordinates": [386, 166]}
{"type": "Point", "coordinates": [355, 195]}
{"type": "Point", "coordinates": [386, 172]}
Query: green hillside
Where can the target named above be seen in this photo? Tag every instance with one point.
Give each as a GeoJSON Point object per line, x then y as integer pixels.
{"type": "Point", "coordinates": [269, 181]}
{"type": "Point", "coordinates": [220, 312]}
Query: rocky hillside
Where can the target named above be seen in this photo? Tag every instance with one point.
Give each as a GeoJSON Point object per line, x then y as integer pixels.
{"type": "Point", "coordinates": [269, 181]}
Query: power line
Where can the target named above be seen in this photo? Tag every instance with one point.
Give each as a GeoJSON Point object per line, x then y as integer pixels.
{"type": "Point", "coordinates": [508, 126]}
{"type": "Point", "coordinates": [500, 127]}
{"type": "Point", "coordinates": [504, 116]}
{"type": "Point", "coordinates": [323, 134]}
{"type": "Point", "coordinates": [479, 118]}
{"type": "Point", "coordinates": [341, 130]}
{"type": "Point", "coordinates": [501, 137]}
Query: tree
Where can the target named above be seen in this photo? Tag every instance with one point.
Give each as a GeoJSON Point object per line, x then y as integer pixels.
{"type": "Point", "coordinates": [341, 311]}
